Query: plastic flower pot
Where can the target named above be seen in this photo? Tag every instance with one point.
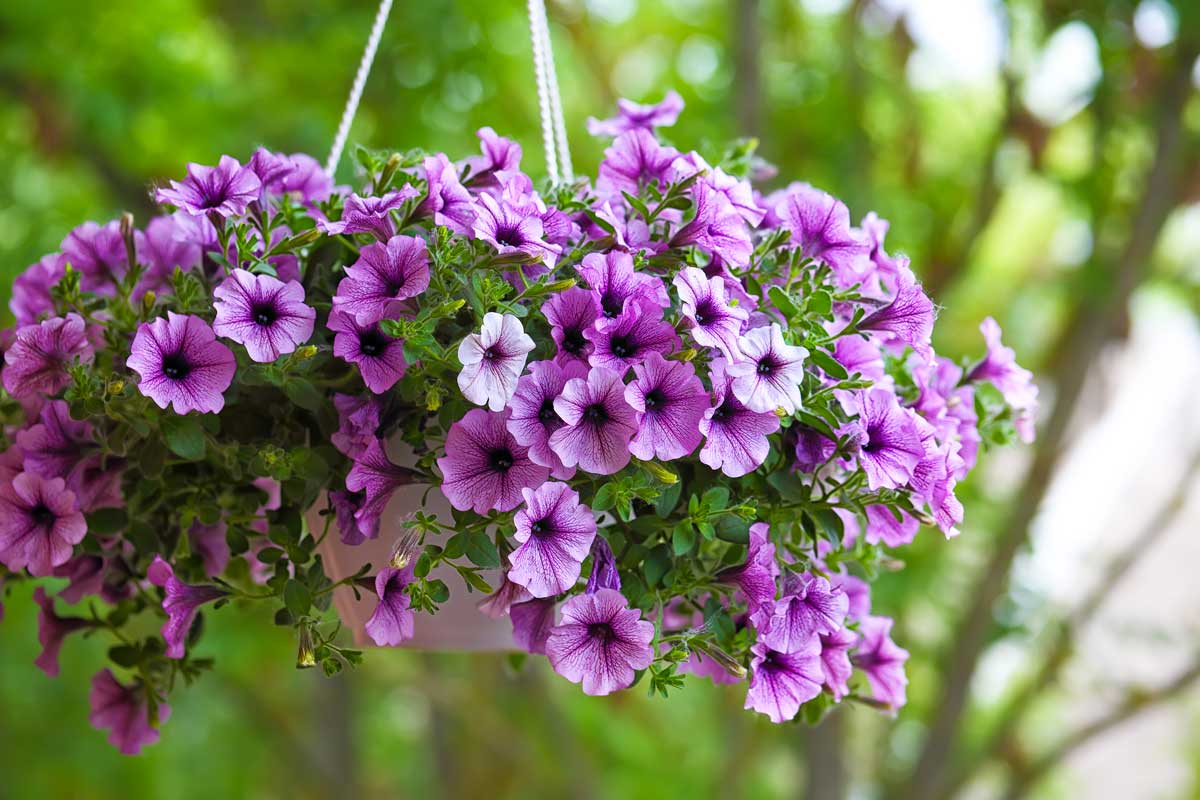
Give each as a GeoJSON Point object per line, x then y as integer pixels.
{"type": "Point", "coordinates": [459, 624]}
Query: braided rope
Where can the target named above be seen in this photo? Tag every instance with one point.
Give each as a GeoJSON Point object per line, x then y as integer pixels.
{"type": "Point", "coordinates": [560, 128]}
{"type": "Point", "coordinates": [356, 90]}
{"type": "Point", "coordinates": [537, 12]}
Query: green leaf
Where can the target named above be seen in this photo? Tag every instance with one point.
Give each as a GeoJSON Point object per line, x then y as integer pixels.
{"type": "Point", "coordinates": [716, 498]}
{"type": "Point", "coordinates": [482, 550]}
{"type": "Point", "coordinates": [438, 591]}
{"type": "Point", "coordinates": [657, 564]}
{"type": "Point", "coordinates": [668, 499]}
{"type": "Point", "coordinates": [820, 303]}
{"type": "Point", "coordinates": [683, 538]}
{"type": "Point", "coordinates": [107, 521]}
{"type": "Point", "coordinates": [185, 436]}
{"type": "Point", "coordinates": [731, 528]}
{"type": "Point", "coordinates": [783, 302]}
{"type": "Point", "coordinates": [606, 497]}
{"type": "Point", "coordinates": [304, 394]}
{"type": "Point", "coordinates": [829, 364]}
{"type": "Point", "coordinates": [297, 598]}
{"type": "Point", "coordinates": [125, 655]}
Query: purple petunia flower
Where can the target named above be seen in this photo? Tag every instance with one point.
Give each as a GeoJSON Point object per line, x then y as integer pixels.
{"type": "Point", "coordinates": [882, 661]}
{"type": "Point", "coordinates": [631, 115]}
{"type": "Point", "coordinates": [209, 542]}
{"type": "Point", "coordinates": [378, 478]}
{"type": "Point", "coordinates": [484, 467]}
{"type": "Point", "coordinates": [163, 246]}
{"type": "Point", "coordinates": [820, 227]}
{"type": "Point", "coordinates": [570, 313]}
{"type": "Point", "coordinates": [499, 155]}
{"type": "Point", "coordinates": [1000, 367]}
{"type": "Point", "coordinates": [31, 289]}
{"type": "Point", "coordinates": [630, 338]}
{"type": "Point", "coordinates": [85, 575]}
{"type": "Point", "coordinates": [908, 318]}
{"type": "Point", "coordinates": [39, 523]}
{"type": "Point", "coordinates": [809, 606]}
{"type": "Point", "coordinates": [554, 532]}
{"type": "Point", "coordinates": [37, 361]}
{"type": "Point", "coordinates": [736, 437]}
{"type": "Point", "coordinates": [514, 230]}
{"type": "Point", "coordinates": [892, 527]}
{"type": "Point", "coordinates": [52, 629]}
{"type": "Point", "coordinates": [383, 276]}
{"type": "Point", "coordinates": [635, 158]}
{"type": "Point", "coordinates": [670, 401]}
{"type": "Point", "coordinates": [181, 363]}
{"type": "Point", "coordinates": [346, 506]}
{"type": "Point", "coordinates": [600, 642]}
{"type": "Point", "coordinates": [493, 360]}
{"type": "Point", "coordinates": [890, 445]}
{"type": "Point", "coordinates": [57, 444]}
{"type": "Point", "coordinates": [782, 682]}
{"type": "Point", "coordinates": [861, 356]}
{"type": "Point", "coordinates": [755, 578]}
{"type": "Point", "coordinates": [716, 323]}
{"type": "Point", "coordinates": [225, 189]}
{"type": "Point", "coordinates": [616, 285]}
{"type": "Point", "coordinates": [739, 193]}
{"type": "Point", "coordinates": [380, 358]}
{"type": "Point", "coordinates": [716, 228]}
{"type": "Point", "coordinates": [124, 711]}
{"type": "Point", "coordinates": [532, 622]}
{"type": "Point", "coordinates": [392, 621]}
{"type": "Point", "coordinates": [835, 661]}
{"type": "Point", "coordinates": [297, 174]}
{"type": "Point", "coordinates": [812, 448]}
{"type": "Point", "coordinates": [447, 200]}
{"type": "Point", "coordinates": [770, 374]}
{"type": "Point", "coordinates": [182, 602]}
{"type": "Point", "coordinates": [604, 567]}
{"type": "Point", "coordinates": [264, 314]}
{"type": "Point", "coordinates": [534, 419]}
{"type": "Point", "coordinates": [359, 421]}
{"type": "Point", "coordinates": [371, 214]}
{"type": "Point", "coordinates": [498, 603]}
{"type": "Point", "coordinates": [98, 254]}
{"type": "Point", "coordinates": [598, 423]}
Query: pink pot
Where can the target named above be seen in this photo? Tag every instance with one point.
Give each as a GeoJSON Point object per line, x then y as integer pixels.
{"type": "Point", "coordinates": [458, 625]}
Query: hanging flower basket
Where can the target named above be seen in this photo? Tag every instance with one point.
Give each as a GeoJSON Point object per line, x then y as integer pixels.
{"type": "Point", "coordinates": [657, 424]}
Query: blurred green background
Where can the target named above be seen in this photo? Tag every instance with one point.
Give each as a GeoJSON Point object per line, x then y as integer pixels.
{"type": "Point", "coordinates": [1037, 159]}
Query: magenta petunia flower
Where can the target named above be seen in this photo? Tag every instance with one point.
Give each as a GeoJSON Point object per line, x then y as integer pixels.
{"type": "Point", "coordinates": [634, 159]}
{"type": "Point", "coordinates": [296, 174]}
{"type": "Point", "coordinates": [670, 401]}
{"type": "Point", "coordinates": [533, 417]}
{"type": "Point", "coordinates": [371, 214]}
{"type": "Point", "coordinates": [499, 155]}
{"type": "Point", "coordinates": [382, 277]}
{"type": "Point", "coordinates": [181, 364]}
{"type": "Point", "coordinates": [209, 542]}
{"type": "Point", "coordinates": [225, 189]}
{"type": "Point", "coordinates": [835, 661]}
{"type": "Point", "coordinates": [493, 360]}
{"type": "Point", "coordinates": [739, 193]}
{"type": "Point", "coordinates": [36, 363]}
{"type": "Point", "coordinates": [447, 200]}
{"type": "Point", "coordinates": [359, 419]}
{"type": "Point", "coordinates": [782, 682]}
{"type": "Point", "coordinates": [39, 523]}
{"type": "Point", "coordinates": [820, 228]}
{"type": "Point", "coordinates": [554, 533]}
{"type": "Point", "coordinates": [716, 228]}
{"type": "Point", "coordinates": [380, 358]}
{"type": "Point", "coordinates": [484, 467]}
{"type": "Point", "coordinates": [182, 602]}
{"type": "Point", "coordinates": [124, 711]}
{"type": "Point", "coordinates": [810, 605]}
{"type": "Point", "coordinates": [346, 506]}
{"type": "Point", "coordinates": [378, 478]}
{"type": "Point", "coordinates": [604, 567]}
{"type": "Point", "coordinates": [907, 319]}
{"type": "Point", "coordinates": [532, 622]}
{"type": "Point", "coordinates": [812, 448]}
{"type": "Point", "coordinates": [598, 423]}
{"type": "Point", "coordinates": [616, 286]}
{"type": "Point", "coordinates": [1014, 382]}
{"type": "Point", "coordinates": [512, 230]}
{"type": "Point", "coordinates": [498, 603]}
{"type": "Point", "coordinates": [755, 578]}
{"type": "Point", "coordinates": [892, 527]}
{"type": "Point", "coordinates": [85, 576]}
{"type": "Point", "coordinates": [715, 322]}
{"type": "Point", "coordinates": [31, 297]}
{"type": "Point", "coordinates": [164, 245]}
{"type": "Point", "coordinates": [52, 629]}
{"type": "Point", "coordinates": [56, 446]}
{"type": "Point", "coordinates": [859, 355]}
{"type": "Point", "coordinates": [736, 437]}
{"type": "Point", "coordinates": [631, 115]}
{"type": "Point", "coordinates": [262, 313]}
{"type": "Point", "coordinates": [882, 661]}
{"type": "Point", "coordinates": [630, 338]}
{"type": "Point", "coordinates": [98, 254]}
{"type": "Point", "coordinates": [392, 622]}
{"type": "Point", "coordinates": [890, 444]}
{"type": "Point", "coordinates": [570, 313]}
{"type": "Point", "coordinates": [770, 372]}
{"type": "Point", "coordinates": [600, 642]}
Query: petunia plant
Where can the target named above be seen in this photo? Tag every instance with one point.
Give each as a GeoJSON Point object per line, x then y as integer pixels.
{"type": "Point", "coordinates": [681, 422]}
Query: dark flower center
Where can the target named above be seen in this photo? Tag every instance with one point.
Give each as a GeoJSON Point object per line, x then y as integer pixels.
{"type": "Point", "coordinates": [493, 353]}
{"type": "Point", "coordinates": [706, 312]}
{"type": "Point", "coordinates": [372, 343]}
{"type": "Point", "coordinates": [623, 346]}
{"type": "Point", "coordinates": [772, 662]}
{"type": "Point", "coordinates": [510, 236]}
{"type": "Point", "coordinates": [610, 304]}
{"type": "Point", "coordinates": [42, 516]}
{"type": "Point", "coordinates": [543, 527]}
{"type": "Point", "coordinates": [175, 366]}
{"type": "Point", "coordinates": [767, 366]}
{"type": "Point", "coordinates": [724, 411]}
{"type": "Point", "coordinates": [596, 414]}
{"type": "Point", "coordinates": [264, 314]}
{"type": "Point", "coordinates": [601, 632]}
{"type": "Point", "coordinates": [654, 398]}
{"type": "Point", "coordinates": [547, 414]}
{"type": "Point", "coordinates": [393, 284]}
{"type": "Point", "coordinates": [573, 341]}
{"type": "Point", "coordinates": [874, 443]}
{"type": "Point", "coordinates": [500, 459]}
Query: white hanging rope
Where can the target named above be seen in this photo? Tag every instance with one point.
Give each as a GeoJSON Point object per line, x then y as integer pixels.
{"type": "Point", "coordinates": [543, 76]}
{"type": "Point", "coordinates": [356, 90]}
{"type": "Point", "coordinates": [560, 128]}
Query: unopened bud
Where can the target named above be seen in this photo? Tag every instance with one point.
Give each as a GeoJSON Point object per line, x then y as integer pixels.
{"type": "Point", "coordinates": [306, 352]}
{"type": "Point", "coordinates": [148, 301]}
{"type": "Point", "coordinates": [661, 473]}
{"type": "Point", "coordinates": [405, 550]}
{"type": "Point", "coordinates": [727, 662]}
{"type": "Point", "coordinates": [306, 654]}
{"type": "Point", "coordinates": [127, 236]}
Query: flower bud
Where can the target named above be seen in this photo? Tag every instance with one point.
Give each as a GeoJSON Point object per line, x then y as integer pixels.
{"type": "Point", "coordinates": [404, 550]}
{"type": "Point", "coordinates": [306, 352]}
{"type": "Point", "coordinates": [661, 473]}
{"type": "Point", "coordinates": [306, 654]}
{"type": "Point", "coordinates": [727, 662]}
